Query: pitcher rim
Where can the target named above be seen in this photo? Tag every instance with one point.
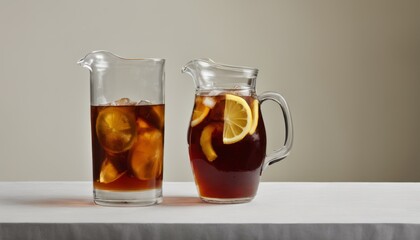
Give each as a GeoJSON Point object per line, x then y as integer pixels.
{"type": "Point", "coordinates": [245, 69]}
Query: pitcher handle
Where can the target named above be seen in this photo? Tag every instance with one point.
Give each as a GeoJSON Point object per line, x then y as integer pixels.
{"type": "Point", "coordinates": [283, 151]}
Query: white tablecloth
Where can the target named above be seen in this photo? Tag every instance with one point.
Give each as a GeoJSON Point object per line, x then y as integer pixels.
{"type": "Point", "coordinates": [64, 210]}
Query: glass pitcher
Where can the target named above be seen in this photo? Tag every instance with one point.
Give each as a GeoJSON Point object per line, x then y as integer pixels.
{"type": "Point", "coordinates": [226, 136]}
{"type": "Point", "coordinates": [127, 128]}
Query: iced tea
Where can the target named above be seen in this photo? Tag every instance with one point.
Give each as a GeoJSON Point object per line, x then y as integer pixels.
{"type": "Point", "coordinates": [227, 144]}
{"type": "Point", "coordinates": [127, 148]}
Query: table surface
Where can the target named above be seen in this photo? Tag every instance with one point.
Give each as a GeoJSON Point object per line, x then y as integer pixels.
{"type": "Point", "coordinates": [276, 203]}
{"type": "Point", "coordinates": [288, 211]}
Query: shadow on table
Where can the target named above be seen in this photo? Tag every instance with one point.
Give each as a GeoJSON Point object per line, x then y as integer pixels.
{"type": "Point", "coordinates": [181, 201]}
{"type": "Point", "coordinates": [173, 201]}
{"type": "Point", "coordinates": [54, 202]}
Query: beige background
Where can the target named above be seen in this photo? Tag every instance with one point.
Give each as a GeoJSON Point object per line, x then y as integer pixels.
{"type": "Point", "coordinates": [350, 71]}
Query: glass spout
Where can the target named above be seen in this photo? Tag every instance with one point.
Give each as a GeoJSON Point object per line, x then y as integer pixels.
{"type": "Point", "coordinates": [130, 77]}
{"type": "Point", "coordinates": [209, 75]}
{"type": "Point", "coordinates": [98, 59]}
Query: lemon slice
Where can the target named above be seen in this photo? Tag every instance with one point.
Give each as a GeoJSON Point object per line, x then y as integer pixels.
{"type": "Point", "coordinates": [205, 142]}
{"type": "Point", "coordinates": [109, 172]}
{"type": "Point", "coordinates": [254, 117]}
{"type": "Point", "coordinates": [237, 119]}
{"type": "Point", "coordinates": [200, 112]}
{"type": "Point", "coordinates": [147, 155]}
{"type": "Point", "coordinates": [116, 129]}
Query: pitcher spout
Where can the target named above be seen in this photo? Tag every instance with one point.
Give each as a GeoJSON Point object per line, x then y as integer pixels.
{"type": "Point", "coordinates": [208, 74]}
{"type": "Point", "coordinates": [195, 67]}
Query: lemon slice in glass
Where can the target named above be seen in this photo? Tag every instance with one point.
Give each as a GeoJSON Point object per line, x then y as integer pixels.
{"type": "Point", "coordinates": [116, 129]}
{"type": "Point", "coordinates": [147, 154]}
{"type": "Point", "coordinates": [109, 172]}
{"type": "Point", "coordinates": [237, 119]}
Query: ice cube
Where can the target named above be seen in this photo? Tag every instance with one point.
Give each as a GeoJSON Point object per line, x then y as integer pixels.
{"type": "Point", "coordinates": [147, 154]}
{"type": "Point", "coordinates": [209, 102]}
{"type": "Point", "coordinates": [144, 102]}
{"type": "Point", "coordinates": [122, 102]}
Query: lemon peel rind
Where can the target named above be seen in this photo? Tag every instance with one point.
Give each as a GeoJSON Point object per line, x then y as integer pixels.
{"type": "Point", "coordinates": [203, 115]}
{"type": "Point", "coordinates": [205, 143]}
{"type": "Point", "coordinates": [255, 106]}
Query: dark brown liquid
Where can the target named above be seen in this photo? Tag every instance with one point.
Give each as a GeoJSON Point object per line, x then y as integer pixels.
{"type": "Point", "coordinates": [127, 147]}
{"type": "Point", "coordinates": [235, 173]}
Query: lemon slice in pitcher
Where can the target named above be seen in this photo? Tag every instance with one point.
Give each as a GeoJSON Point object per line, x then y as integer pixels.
{"type": "Point", "coordinates": [200, 112]}
{"type": "Point", "coordinates": [205, 142]}
{"type": "Point", "coordinates": [254, 125]}
{"type": "Point", "coordinates": [237, 119]}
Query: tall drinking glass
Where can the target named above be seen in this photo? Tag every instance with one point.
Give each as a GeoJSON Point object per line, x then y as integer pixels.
{"type": "Point", "coordinates": [127, 128]}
